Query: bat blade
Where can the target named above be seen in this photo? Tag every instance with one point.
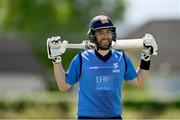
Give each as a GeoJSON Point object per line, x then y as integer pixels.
{"type": "Point", "coordinates": [129, 44]}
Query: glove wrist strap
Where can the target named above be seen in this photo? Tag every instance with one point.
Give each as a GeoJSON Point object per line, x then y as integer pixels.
{"type": "Point", "coordinates": [56, 60]}
{"type": "Point", "coordinates": [145, 65]}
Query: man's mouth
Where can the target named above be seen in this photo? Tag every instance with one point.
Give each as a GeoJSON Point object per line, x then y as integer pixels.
{"type": "Point", "coordinates": [104, 41]}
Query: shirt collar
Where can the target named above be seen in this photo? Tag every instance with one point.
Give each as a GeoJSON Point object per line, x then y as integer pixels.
{"type": "Point", "coordinates": [104, 58]}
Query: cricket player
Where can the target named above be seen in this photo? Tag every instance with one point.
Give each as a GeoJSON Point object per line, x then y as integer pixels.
{"type": "Point", "coordinates": [100, 71]}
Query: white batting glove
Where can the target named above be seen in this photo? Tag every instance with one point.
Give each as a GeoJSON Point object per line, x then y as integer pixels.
{"type": "Point", "coordinates": [55, 48]}
{"type": "Point", "coordinates": [151, 47]}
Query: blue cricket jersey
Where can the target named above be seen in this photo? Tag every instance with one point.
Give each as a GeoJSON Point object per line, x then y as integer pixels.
{"type": "Point", "coordinates": [100, 83]}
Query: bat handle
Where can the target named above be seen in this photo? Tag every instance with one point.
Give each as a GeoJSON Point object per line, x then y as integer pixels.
{"type": "Point", "coordinates": [88, 45]}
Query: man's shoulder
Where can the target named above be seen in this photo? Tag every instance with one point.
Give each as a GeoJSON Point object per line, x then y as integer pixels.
{"type": "Point", "coordinates": [87, 52]}
{"type": "Point", "coordinates": [117, 52]}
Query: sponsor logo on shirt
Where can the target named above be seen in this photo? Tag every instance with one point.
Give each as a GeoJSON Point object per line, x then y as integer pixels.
{"type": "Point", "coordinates": [104, 82]}
{"type": "Point", "coordinates": [100, 67]}
{"type": "Point", "coordinates": [115, 67]}
{"type": "Point", "coordinates": [94, 67]}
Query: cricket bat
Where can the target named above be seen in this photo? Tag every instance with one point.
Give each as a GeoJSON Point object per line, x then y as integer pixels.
{"type": "Point", "coordinates": [123, 44]}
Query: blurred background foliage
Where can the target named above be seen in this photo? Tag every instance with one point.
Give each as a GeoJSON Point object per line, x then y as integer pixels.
{"type": "Point", "coordinates": [35, 21]}
{"type": "Point", "coordinates": [53, 105]}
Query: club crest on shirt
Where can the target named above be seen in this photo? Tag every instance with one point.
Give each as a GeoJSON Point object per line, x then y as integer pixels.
{"type": "Point", "coordinates": [116, 68]}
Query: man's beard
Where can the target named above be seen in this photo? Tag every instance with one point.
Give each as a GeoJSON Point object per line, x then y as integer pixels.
{"type": "Point", "coordinates": [104, 46]}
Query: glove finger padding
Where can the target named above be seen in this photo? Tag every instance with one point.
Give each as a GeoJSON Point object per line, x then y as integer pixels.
{"type": "Point", "coordinates": [145, 55]}
{"type": "Point", "coordinates": [149, 41]}
{"type": "Point", "coordinates": [48, 48]}
{"type": "Point", "coordinates": [53, 44]}
{"type": "Point", "coordinates": [63, 46]}
{"type": "Point", "coordinates": [55, 48]}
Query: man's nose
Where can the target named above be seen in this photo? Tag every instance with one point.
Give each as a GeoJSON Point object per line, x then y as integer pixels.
{"type": "Point", "coordinates": [105, 34]}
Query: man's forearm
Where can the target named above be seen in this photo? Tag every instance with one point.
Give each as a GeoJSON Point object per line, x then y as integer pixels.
{"type": "Point", "coordinates": [142, 72]}
{"type": "Point", "coordinates": [60, 76]}
{"type": "Point", "coordinates": [141, 76]}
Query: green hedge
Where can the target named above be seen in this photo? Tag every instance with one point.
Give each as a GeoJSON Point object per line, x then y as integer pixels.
{"type": "Point", "coordinates": [65, 105]}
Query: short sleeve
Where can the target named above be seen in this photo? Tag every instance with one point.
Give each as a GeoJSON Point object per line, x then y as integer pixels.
{"type": "Point", "coordinates": [130, 73]}
{"type": "Point", "coordinates": [72, 74]}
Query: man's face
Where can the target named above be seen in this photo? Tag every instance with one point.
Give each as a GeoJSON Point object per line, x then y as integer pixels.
{"type": "Point", "coordinates": [104, 38]}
